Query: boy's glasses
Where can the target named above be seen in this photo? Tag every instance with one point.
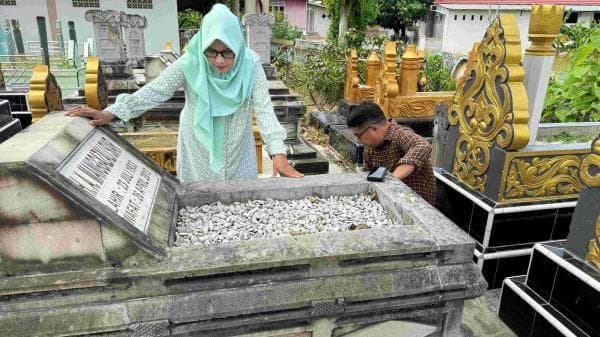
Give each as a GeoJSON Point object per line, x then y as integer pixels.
{"type": "Point", "coordinates": [227, 54]}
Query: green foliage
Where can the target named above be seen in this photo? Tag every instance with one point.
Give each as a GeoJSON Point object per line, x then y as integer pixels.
{"type": "Point", "coordinates": [435, 76]}
{"type": "Point", "coordinates": [321, 77]}
{"type": "Point", "coordinates": [361, 14]}
{"type": "Point", "coordinates": [565, 138]}
{"type": "Point", "coordinates": [282, 30]}
{"type": "Point", "coordinates": [189, 19]}
{"type": "Point", "coordinates": [576, 98]}
{"type": "Point", "coordinates": [571, 37]}
{"type": "Point", "coordinates": [399, 14]}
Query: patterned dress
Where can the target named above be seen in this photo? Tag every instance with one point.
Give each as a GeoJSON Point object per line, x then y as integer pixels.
{"type": "Point", "coordinates": [239, 154]}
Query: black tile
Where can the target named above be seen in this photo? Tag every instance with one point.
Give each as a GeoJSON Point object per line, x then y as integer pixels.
{"type": "Point", "coordinates": [516, 313]}
{"type": "Point", "coordinates": [564, 321]}
{"type": "Point", "coordinates": [422, 127]}
{"type": "Point", "coordinates": [563, 221]}
{"type": "Point", "coordinates": [541, 275]}
{"type": "Point", "coordinates": [523, 227]}
{"type": "Point", "coordinates": [542, 328]}
{"type": "Point", "coordinates": [454, 205]}
{"type": "Point", "coordinates": [478, 223]}
{"type": "Point", "coordinates": [577, 300]}
{"type": "Point", "coordinates": [496, 270]}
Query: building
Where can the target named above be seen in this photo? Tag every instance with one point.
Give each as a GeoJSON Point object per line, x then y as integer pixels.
{"type": "Point", "coordinates": [310, 16]}
{"type": "Point", "coordinates": [454, 25]}
{"type": "Point", "coordinates": [161, 16]}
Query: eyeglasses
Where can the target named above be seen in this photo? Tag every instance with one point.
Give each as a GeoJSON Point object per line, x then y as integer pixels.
{"type": "Point", "coordinates": [226, 54]}
{"type": "Point", "coordinates": [358, 135]}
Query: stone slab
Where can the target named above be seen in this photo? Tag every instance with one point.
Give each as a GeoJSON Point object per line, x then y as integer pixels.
{"type": "Point", "coordinates": [96, 170]}
{"type": "Point", "coordinates": [395, 329]}
{"type": "Point", "coordinates": [345, 107]}
{"type": "Point", "coordinates": [345, 143]}
{"type": "Point", "coordinates": [277, 87]}
{"type": "Point", "coordinates": [323, 120]}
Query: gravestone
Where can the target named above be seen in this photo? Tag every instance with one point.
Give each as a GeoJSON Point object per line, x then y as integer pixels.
{"type": "Point", "coordinates": [9, 126]}
{"type": "Point", "coordinates": [109, 41]}
{"type": "Point", "coordinates": [133, 33]}
{"type": "Point", "coordinates": [87, 248]}
{"type": "Point", "coordinates": [10, 42]}
{"type": "Point", "coordinates": [18, 37]}
{"type": "Point", "coordinates": [258, 34]}
{"type": "Point", "coordinates": [559, 296]}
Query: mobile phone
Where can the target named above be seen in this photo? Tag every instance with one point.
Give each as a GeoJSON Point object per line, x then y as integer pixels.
{"type": "Point", "coordinates": [377, 173]}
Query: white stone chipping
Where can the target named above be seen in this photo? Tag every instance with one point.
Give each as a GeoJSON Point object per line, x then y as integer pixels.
{"type": "Point", "coordinates": [258, 219]}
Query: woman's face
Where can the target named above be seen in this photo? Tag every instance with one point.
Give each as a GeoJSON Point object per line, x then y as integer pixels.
{"type": "Point", "coordinates": [220, 57]}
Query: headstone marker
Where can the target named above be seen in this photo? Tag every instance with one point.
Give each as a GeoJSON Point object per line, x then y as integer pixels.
{"type": "Point", "coordinates": [108, 34]}
{"type": "Point", "coordinates": [10, 43]}
{"type": "Point", "coordinates": [133, 31]}
{"type": "Point", "coordinates": [70, 49]}
{"type": "Point", "coordinates": [45, 95]}
{"type": "Point", "coordinates": [96, 95]}
{"type": "Point", "coordinates": [41, 23]}
{"type": "Point", "coordinates": [18, 37]}
{"type": "Point", "coordinates": [258, 34]}
{"type": "Point", "coordinates": [61, 41]}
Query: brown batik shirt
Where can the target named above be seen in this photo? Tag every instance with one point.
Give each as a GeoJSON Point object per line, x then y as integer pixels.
{"type": "Point", "coordinates": [401, 145]}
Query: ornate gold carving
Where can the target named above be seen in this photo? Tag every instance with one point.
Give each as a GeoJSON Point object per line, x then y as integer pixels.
{"type": "Point", "coordinates": [541, 175]}
{"type": "Point", "coordinates": [490, 105]}
{"type": "Point", "coordinates": [96, 95]}
{"type": "Point", "coordinates": [44, 93]}
{"type": "Point", "coordinates": [593, 254]}
{"type": "Point", "coordinates": [418, 106]}
{"type": "Point", "coordinates": [165, 157]}
{"type": "Point", "coordinates": [544, 25]}
{"type": "Point", "coordinates": [351, 77]}
{"type": "Point", "coordinates": [411, 61]}
{"type": "Point", "coordinates": [592, 159]}
{"type": "Point", "coordinates": [372, 70]}
{"type": "Point", "coordinates": [386, 86]}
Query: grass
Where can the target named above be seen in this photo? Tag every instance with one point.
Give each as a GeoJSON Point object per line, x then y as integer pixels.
{"type": "Point", "coordinates": [566, 138]}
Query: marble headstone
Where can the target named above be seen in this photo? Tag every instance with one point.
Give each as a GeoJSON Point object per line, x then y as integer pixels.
{"type": "Point", "coordinates": [258, 34]}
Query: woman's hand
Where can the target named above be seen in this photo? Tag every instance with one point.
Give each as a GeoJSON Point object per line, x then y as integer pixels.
{"type": "Point", "coordinates": [281, 166]}
{"type": "Point", "coordinates": [98, 117]}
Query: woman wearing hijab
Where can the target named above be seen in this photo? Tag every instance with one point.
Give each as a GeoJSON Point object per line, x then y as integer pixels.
{"type": "Point", "coordinates": [224, 82]}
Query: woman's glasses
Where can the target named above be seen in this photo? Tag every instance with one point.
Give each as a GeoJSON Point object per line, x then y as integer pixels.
{"type": "Point", "coordinates": [227, 54]}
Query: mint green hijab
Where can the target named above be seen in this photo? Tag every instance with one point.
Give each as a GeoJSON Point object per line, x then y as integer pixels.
{"type": "Point", "coordinates": [217, 95]}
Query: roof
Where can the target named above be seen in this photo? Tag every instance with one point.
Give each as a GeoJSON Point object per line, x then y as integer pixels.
{"type": "Point", "coordinates": [520, 2]}
{"type": "Point", "coordinates": [506, 6]}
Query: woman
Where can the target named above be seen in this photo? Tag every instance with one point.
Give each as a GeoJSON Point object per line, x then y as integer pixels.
{"type": "Point", "coordinates": [223, 82]}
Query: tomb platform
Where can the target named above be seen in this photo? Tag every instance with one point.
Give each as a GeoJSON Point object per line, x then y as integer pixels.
{"type": "Point", "coordinates": [88, 246]}
{"type": "Point", "coordinates": [9, 126]}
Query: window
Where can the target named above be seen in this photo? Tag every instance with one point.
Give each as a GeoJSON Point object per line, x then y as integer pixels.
{"type": "Point", "coordinates": [573, 16]}
{"type": "Point", "coordinates": [472, 17]}
{"type": "Point", "coordinates": [455, 16]}
{"type": "Point", "coordinates": [86, 3]}
{"type": "Point", "coordinates": [481, 18]}
{"type": "Point", "coordinates": [464, 17]}
{"type": "Point", "coordinates": [8, 2]}
{"type": "Point", "coordinates": [597, 17]}
{"type": "Point", "coordinates": [146, 4]}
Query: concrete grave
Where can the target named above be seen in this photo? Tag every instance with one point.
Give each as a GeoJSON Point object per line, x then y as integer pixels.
{"type": "Point", "coordinates": [75, 261]}
{"type": "Point", "coordinates": [9, 126]}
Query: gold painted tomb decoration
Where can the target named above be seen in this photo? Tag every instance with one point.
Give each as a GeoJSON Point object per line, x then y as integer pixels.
{"type": "Point", "coordinates": [96, 94]}
{"type": "Point", "coordinates": [413, 105]}
{"type": "Point", "coordinates": [354, 91]}
{"type": "Point", "coordinates": [589, 172]}
{"type": "Point", "coordinates": [45, 95]}
{"type": "Point", "coordinates": [544, 27]}
{"type": "Point", "coordinates": [489, 114]}
{"type": "Point", "coordinates": [490, 104]}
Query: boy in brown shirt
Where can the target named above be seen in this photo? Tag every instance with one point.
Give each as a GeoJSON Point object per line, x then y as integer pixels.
{"type": "Point", "coordinates": [397, 147]}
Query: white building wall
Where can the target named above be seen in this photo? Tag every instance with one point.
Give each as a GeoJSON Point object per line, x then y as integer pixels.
{"type": "Point", "coordinates": [26, 12]}
{"type": "Point", "coordinates": [162, 20]}
{"type": "Point", "coordinates": [320, 24]}
{"type": "Point", "coordinates": [470, 25]}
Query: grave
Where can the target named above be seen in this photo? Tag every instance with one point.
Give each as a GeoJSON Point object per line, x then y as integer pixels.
{"type": "Point", "coordinates": [506, 194]}
{"type": "Point", "coordinates": [9, 126]}
{"type": "Point", "coordinates": [397, 98]}
{"type": "Point", "coordinates": [87, 248]}
{"type": "Point", "coordinates": [559, 295]}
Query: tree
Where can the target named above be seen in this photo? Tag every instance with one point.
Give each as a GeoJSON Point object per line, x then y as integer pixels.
{"type": "Point", "coordinates": [348, 14]}
{"type": "Point", "coordinates": [400, 14]}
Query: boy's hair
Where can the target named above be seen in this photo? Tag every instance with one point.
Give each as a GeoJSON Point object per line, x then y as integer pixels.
{"type": "Point", "coordinates": [366, 113]}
